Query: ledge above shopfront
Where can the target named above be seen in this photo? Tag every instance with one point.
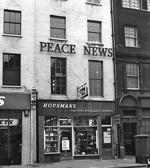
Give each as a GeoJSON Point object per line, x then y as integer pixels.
{"type": "Point", "coordinates": [75, 107]}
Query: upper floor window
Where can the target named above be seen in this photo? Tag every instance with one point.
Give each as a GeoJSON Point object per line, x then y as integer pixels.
{"type": "Point", "coordinates": [136, 4]}
{"type": "Point", "coordinates": [94, 1]}
{"type": "Point", "coordinates": [58, 76]}
{"type": "Point", "coordinates": [130, 36]}
{"type": "Point", "coordinates": [132, 74]}
{"type": "Point", "coordinates": [57, 27]}
{"type": "Point", "coordinates": [96, 78]}
{"type": "Point", "coordinates": [94, 31]}
{"type": "Point", "coordinates": [11, 69]}
{"type": "Point", "coordinates": [12, 22]}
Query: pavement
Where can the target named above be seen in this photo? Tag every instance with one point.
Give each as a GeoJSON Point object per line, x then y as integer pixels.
{"type": "Point", "coordinates": [94, 163]}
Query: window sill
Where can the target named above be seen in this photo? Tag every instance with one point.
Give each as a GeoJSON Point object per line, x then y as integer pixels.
{"type": "Point", "coordinates": [12, 35]}
{"type": "Point", "coordinates": [92, 3]}
{"type": "Point", "coordinates": [94, 43]}
{"type": "Point", "coordinates": [11, 86]}
{"type": "Point", "coordinates": [58, 39]}
{"type": "Point", "coordinates": [132, 46]}
{"type": "Point", "coordinates": [136, 89]}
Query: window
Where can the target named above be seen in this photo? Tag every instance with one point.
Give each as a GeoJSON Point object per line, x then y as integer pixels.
{"type": "Point", "coordinates": [95, 78]}
{"type": "Point", "coordinates": [130, 36]}
{"type": "Point", "coordinates": [57, 27]}
{"type": "Point", "coordinates": [136, 4]}
{"type": "Point", "coordinates": [12, 22]}
{"type": "Point", "coordinates": [11, 69]}
{"type": "Point", "coordinates": [94, 31]}
{"type": "Point", "coordinates": [132, 72]}
{"type": "Point", "coordinates": [94, 1]}
{"type": "Point", "coordinates": [58, 76]}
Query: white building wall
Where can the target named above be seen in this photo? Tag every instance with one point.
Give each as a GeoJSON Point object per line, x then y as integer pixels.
{"type": "Point", "coordinates": [77, 13]}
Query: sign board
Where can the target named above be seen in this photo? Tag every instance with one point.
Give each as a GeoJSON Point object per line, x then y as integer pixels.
{"type": "Point", "coordinates": [117, 119]}
{"type": "Point", "coordinates": [107, 137]}
{"type": "Point", "coordinates": [10, 122]}
{"type": "Point", "coordinates": [82, 91]}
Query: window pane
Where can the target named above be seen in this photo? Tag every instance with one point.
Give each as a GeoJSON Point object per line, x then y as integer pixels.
{"type": "Point", "coordinates": [18, 18]}
{"type": "Point", "coordinates": [6, 16]}
{"type": "Point", "coordinates": [11, 69]}
{"type": "Point", "coordinates": [18, 28]}
{"type": "Point", "coordinates": [85, 121]}
{"type": "Point", "coordinates": [134, 4]}
{"type": "Point", "coordinates": [12, 28]}
{"type": "Point", "coordinates": [50, 121]}
{"type": "Point", "coordinates": [12, 17]}
{"type": "Point", "coordinates": [57, 33]}
{"type": "Point", "coordinates": [6, 28]}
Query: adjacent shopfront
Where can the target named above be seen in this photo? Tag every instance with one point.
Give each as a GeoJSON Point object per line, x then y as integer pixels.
{"type": "Point", "coordinates": [13, 108]}
{"type": "Point", "coordinates": [74, 129]}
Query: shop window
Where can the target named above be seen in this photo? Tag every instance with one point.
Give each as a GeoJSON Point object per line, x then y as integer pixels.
{"type": "Point", "coordinates": [130, 36]}
{"type": "Point", "coordinates": [11, 69]}
{"type": "Point", "coordinates": [12, 22]}
{"type": "Point", "coordinates": [64, 121]}
{"type": "Point", "coordinates": [106, 121]}
{"type": "Point", "coordinates": [58, 76]}
{"type": "Point", "coordinates": [94, 31]}
{"type": "Point", "coordinates": [51, 135]}
{"type": "Point", "coordinates": [96, 78]}
{"type": "Point", "coordinates": [132, 75]}
{"type": "Point", "coordinates": [57, 27]}
{"type": "Point", "coordinates": [86, 138]}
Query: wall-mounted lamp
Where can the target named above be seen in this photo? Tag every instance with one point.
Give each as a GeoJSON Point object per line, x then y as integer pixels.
{"type": "Point", "coordinates": [33, 96]}
{"type": "Point", "coordinates": [26, 113]}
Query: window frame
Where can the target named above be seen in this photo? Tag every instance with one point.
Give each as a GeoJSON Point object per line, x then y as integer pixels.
{"type": "Point", "coordinates": [57, 76]}
{"type": "Point", "coordinates": [10, 22]}
{"type": "Point", "coordinates": [100, 79]}
{"type": "Point", "coordinates": [94, 32]}
{"type": "Point", "coordinates": [5, 81]}
{"type": "Point", "coordinates": [58, 28]}
{"type": "Point", "coordinates": [128, 36]}
{"type": "Point", "coordinates": [133, 76]}
{"type": "Point", "coordinates": [93, 2]}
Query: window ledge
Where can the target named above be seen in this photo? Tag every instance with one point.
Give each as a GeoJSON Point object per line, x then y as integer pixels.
{"type": "Point", "coordinates": [11, 86]}
{"type": "Point", "coordinates": [136, 89]}
{"type": "Point", "coordinates": [94, 43]}
{"type": "Point", "coordinates": [132, 46]}
{"type": "Point", "coordinates": [58, 39]}
{"type": "Point", "coordinates": [92, 3]}
{"type": "Point", "coordinates": [12, 35]}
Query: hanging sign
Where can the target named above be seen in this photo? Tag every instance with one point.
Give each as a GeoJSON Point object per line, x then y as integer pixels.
{"type": "Point", "coordinates": [65, 144]}
{"type": "Point", "coordinates": [82, 91]}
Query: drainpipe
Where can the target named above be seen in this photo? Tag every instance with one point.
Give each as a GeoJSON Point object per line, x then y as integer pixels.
{"type": "Point", "coordinates": [117, 148]}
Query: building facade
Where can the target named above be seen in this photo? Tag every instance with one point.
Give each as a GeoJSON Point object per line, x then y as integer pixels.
{"type": "Point", "coordinates": [17, 114]}
{"type": "Point", "coordinates": [74, 79]}
{"type": "Point", "coordinates": [132, 58]}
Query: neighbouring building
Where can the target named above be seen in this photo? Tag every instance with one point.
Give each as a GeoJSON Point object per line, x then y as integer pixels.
{"type": "Point", "coordinates": [17, 111]}
{"type": "Point", "coordinates": [132, 58]}
{"type": "Point", "coordinates": [74, 79]}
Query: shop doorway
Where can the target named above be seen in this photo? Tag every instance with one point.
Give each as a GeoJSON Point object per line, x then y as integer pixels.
{"type": "Point", "coordinates": [66, 143]}
{"type": "Point", "coordinates": [10, 141]}
{"type": "Point", "coordinates": [129, 131]}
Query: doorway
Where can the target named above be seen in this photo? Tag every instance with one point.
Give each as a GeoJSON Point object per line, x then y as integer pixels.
{"type": "Point", "coordinates": [10, 141]}
{"type": "Point", "coordinates": [66, 143]}
{"type": "Point", "coordinates": [129, 131]}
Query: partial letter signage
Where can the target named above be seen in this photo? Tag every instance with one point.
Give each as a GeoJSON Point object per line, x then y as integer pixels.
{"type": "Point", "coordinates": [2, 100]}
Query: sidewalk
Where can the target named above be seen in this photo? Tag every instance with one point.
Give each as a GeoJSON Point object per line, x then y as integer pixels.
{"type": "Point", "coordinates": [111, 163]}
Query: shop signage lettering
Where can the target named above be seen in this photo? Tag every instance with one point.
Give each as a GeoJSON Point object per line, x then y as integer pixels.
{"type": "Point", "coordinates": [57, 48]}
{"type": "Point", "coordinates": [59, 105]}
{"type": "Point", "coordinates": [10, 122]}
{"type": "Point", "coordinates": [2, 100]}
{"type": "Point", "coordinates": [98, 51]}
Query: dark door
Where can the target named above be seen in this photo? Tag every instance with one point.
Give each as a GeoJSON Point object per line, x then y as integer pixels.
{"type": "Point", "coordinates": [129, 130]}
{"type": "Point", "coordinates": [66, 143]}
{"type": "Point", "coordinates": [10, 143]}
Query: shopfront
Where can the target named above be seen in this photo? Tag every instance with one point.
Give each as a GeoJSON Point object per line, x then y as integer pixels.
{"type": "Point", "coordinates": [74, 130]}
{"type": "Point", "coordinates": [12, 110]}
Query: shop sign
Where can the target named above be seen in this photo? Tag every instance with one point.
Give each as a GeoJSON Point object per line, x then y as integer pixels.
{"type": "Point", "coordinates": [10, 122]}
{"type": "Point", "coordinates": [59, 105]}
{"type": "Point", "coordinates": [98, 51]}
{"type": "Point", "coordinates": [107, 136]}
{"type": "Point", "coordinates": [2, 98]}
{"type": "Point", "coordinates": [57, 47]}
{"type": "Point", "coordinates": [82, 91]}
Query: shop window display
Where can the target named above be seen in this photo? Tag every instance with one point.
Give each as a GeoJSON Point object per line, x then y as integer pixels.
{"type": "Point", "coordinates": [85, 136]}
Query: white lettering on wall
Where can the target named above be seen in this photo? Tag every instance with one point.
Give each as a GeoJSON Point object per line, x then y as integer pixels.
{"type": "Point", "coordinates": [2, 100]}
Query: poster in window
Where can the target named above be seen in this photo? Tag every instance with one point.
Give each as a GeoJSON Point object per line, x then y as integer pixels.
{"type": "Point", "coordinates": [65, 144]}
{"type": "Point", "coordinates": [107, 137]}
